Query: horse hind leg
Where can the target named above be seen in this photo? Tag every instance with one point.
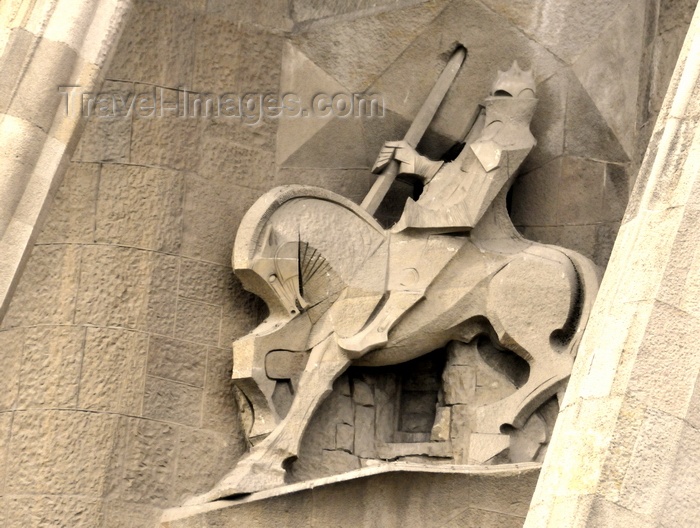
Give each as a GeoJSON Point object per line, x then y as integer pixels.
{"type": "Point", "coordinates": [529, 304]}
{"type": "Point", "coordinates": [264, 466]}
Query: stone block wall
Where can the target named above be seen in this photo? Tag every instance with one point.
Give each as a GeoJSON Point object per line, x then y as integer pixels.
{"type": "Point", "coordinates": [116, 394]}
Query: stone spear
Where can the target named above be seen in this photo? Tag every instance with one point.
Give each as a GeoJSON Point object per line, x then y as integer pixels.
{"type": "Point", "coordinates": [420, 124]}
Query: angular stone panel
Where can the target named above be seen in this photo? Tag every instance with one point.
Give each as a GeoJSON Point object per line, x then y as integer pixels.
{"type": "Point", "coordinates": [364, 47]}
{"type": "Point", "coordinates": [609, 71]}
{"type": "Point", "coordinates": [535, 196]}
{"type": "Point", "coordinates": [581, 188]}
{"type": "Point", "coordinates": [587, 134]}
{"type": "Point", "coordinates": [567, 27]}
{"type": "Point", "coordinates": [475, 26]}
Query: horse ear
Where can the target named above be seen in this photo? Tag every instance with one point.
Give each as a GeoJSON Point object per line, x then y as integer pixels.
{"type": "Point", "coordinates": [271, 238]}
{"type": "Point", "coordinates": [268, 239]}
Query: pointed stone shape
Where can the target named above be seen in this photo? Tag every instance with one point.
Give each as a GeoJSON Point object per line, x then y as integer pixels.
{"type": "Point", "coordinates": [548, 122]}
{"type": "Point", "coordinates": [565, 27]}
{"type": "Point", "coordinates": [339, 145]}
{"type": "Point", "coordinates": [303, 79]}
{"type": "Point", "coordinates": [492, 42]}
{"type": "Point", "coordinates": [357, 51]}
{"type": "Point", "coordinates": [587, 134]}
{"type": "Point", "coordinates": [609, 71]}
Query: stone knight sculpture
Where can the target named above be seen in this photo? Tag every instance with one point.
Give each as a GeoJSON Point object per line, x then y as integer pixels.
{"type": "Point", "coordinates": [342, 290]}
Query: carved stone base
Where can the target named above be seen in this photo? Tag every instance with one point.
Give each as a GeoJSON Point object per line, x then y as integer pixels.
{"type": "Point", "coordinates": [387, 495]}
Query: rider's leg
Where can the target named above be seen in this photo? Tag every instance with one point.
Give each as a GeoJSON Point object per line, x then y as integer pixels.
{"type": "Point", "coordinates": [376, 333]}
{"type": "Point", "coordinates": [262, 468]}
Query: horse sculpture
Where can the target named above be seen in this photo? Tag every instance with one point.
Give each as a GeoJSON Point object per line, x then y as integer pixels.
{"type": "Point", "coordinates": [342, 290]}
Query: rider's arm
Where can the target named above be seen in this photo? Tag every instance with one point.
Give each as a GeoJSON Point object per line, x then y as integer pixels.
{"type": "Point", "coordinates": [410, 161]}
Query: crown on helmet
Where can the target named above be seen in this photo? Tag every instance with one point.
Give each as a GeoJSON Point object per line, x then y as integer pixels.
{"type": "Point", "coordinates": [514, 83]}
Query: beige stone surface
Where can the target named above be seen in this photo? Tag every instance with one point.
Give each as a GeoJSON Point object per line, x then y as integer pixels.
{"type": "Point", "coordinates": [127, 287]}
{"type": "Point", "coordinates": [142, 465]}
{"type": "Point", "coordinates": [170, 401]}
{"type": "Point", "coordinates": [51, 367]}
{"type": "Point", "coordinates": [177, 360]}
{"type": "Point", "coordinates": [434, 498]}
{"type": "Point", "coordinates": [113, 371]}
{"type": "Point", "coordinates": [106, 138]}
{"type": "Point", "coordinates": [12, 343]}
{"type": "Point", "coordinates": [48, 292]}
{"type": "Point", "coordinates": [42, 53]}
{"type": "Point", "coordinates": [140, 207]}
{"type": "Point", "coordinates": [71, 218]}
{"type": "Point", "coordinates": [44, 440]}
{"type": "Point", "coordinates": [157, 46]}
{"type": "Point", "coordinates": [222, 166]}
{"type": "Point", "coordinates": [36, 511]}
{"type": "Point", "coordinates": [624, 419]}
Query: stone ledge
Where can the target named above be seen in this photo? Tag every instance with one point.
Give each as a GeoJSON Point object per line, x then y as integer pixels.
{"type": "Point", "coordinates": [398, 494]}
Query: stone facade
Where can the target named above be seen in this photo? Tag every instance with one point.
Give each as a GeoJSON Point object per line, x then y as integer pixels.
{"type": "Point", "coordinates": [116, 394]}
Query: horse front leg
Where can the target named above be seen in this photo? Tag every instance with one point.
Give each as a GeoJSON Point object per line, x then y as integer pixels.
{"type": "Point", "coordinates": [263, 467]}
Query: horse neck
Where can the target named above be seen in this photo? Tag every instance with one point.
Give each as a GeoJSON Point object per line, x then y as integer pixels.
{"type": "Point", "coordinates": [496, 224]}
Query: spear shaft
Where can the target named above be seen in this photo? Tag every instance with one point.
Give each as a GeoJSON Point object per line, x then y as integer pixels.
{"type": "Point", "coordinates": [417, 129]}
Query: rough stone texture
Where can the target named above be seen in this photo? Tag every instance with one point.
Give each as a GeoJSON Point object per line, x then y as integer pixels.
{"type": "Point", "coordinates": [177, 360]}
{"type": "Point", "coordinates": [47, 295]}
{"type": "Point", "coordinates": [170, 401]}
{"type": "Point", "coordinates": [113, 371]}
{"type": "Point", "coordinates": [623, 428]}
{"type": "Point", "coordinates": [44, 440]}
{"type": "Point", "coordinates": [157, 47]}
{"type": "Point", "coordinates": [198, 321]}
{"type": "Point", "coordinates": [127, 287]}
{"type": "Point", "coordinates": [140, 207]}
{"type": "Point", "coordinates": [142, 465]}
{"type": "Point", "coordinates": [220, 167]}
{"type": "Point", "coordinates": [107, 135]}
{"type": "Point", "coordinates": [71, 218]}
{"type": "Point", "coordinates": [154, 140]}
{"type": "Point", "coordinates": [12, 345]}
{"type": "Point", "coordinates": [52, 360]}
{"type": "Point", "coordinates": [43, 49]}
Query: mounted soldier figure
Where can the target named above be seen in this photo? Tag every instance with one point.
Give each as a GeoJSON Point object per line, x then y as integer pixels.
{"type": "Point", "coordinates": [342, 290]}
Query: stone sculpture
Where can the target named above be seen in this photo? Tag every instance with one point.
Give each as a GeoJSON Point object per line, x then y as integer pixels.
{"type": "Point", "coordinates": [341, 290]}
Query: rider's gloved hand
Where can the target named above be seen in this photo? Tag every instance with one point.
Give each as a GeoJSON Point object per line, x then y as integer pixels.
{"type": "Point", "coordinates": [410, 161]}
